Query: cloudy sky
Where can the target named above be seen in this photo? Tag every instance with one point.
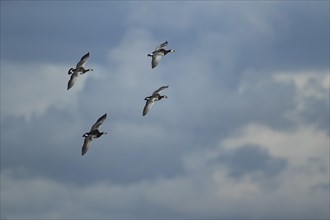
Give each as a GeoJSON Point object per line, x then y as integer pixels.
{"type": "Point", "coordinates": [243, 134]}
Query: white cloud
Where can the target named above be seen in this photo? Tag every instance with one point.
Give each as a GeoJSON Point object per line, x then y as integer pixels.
{"type": "Point", "coordinates": [29, 89]}
{"type": "Point", "coordinates": [297, 146]}
{"type": "Point", "coordinates": [308, 85]}
{"type": "Point", "coordinates": [307, 153]}
{"type": "Point", "coordinates": [200, 99]}
{"type": "Point", "coordinates": [40, 87]}
{"type": "Point", "coordinates": [204, 190]}
{"type": "Point", "coordinates": [306, 148]}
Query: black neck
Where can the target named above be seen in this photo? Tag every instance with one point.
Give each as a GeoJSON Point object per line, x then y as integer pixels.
{"type": "Point", "coordinates": [167, 51]}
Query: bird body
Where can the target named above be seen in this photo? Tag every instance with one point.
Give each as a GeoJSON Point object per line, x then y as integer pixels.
{"type": "Point", "coordinates": [150, 100]}
{"type": "Point", "coordinates": [93, 133]}
{"type": "Point", "coordinates": [158, 53]}
{"type": "Point", "coordinates": [79, 70]}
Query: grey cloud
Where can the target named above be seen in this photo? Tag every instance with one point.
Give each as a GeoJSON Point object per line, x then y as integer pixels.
{"type": "Point", "coordinates": [316, 112]}
{"type": "Point", "coordinates": [307, 33]}
{"type": "Point", "coordinates": [35, 33]}
{"type": "Point", "coordinates": [252, 160]}
{"type": "Point", "coordinates": [52, 149]}
{"type": "Point", "coordinates": [220, 80]}
{"type": "Point", "coordinates": [323, 187]}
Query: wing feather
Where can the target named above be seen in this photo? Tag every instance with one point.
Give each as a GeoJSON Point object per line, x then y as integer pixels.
{"type": "Point", "coordinates": [160, 89]}
{"type": "Point", "coordinates": [149, 103]}
{"type": "Point", "coordinates": [155, 60]}
{"type": "Point", "coordinates": [72, 80]}
{"type": "Point", "coordinates": [83, 60]}
{"type": "Point", "coordinates": [161, 46]}
{"type": "Point", "coordinates": [87, 143]}
{"type": "Point", "coordinates": [99, 122]}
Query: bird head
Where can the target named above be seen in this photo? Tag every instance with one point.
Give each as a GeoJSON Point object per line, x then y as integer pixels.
{"type": "Point", "coordinates": [85, 135]}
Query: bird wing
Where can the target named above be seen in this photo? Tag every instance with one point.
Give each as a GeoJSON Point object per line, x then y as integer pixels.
{"type": "Point", "coordinates": [87, 143]}
{"type": "Point", "coordinates": [99, 122]}
{"type": "Point", "coordinates": [149, 103]}
{"type": "Point", "coordinates": [83, 60]}
{"type": "Point", "coordinates": [72, 80]}
{"type": "Point", "coordinates": [160, 89]}
{"type": "Point", "coordinates": [162, 46]}
{"type": "Point", "coordinates": [155, 60]}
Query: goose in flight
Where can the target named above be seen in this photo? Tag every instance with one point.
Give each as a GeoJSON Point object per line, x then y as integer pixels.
{"type": "Point", "coordinates": [150, 100]}
{"type": "Point", "coordinates": [80, 69]}
{"type": "Point", "coordinates": [94, 133]}
{"type": "Point", "coordinates": [158, 53]}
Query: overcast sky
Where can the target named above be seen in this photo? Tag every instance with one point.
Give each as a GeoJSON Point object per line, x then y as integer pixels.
{"type": "Point", "coordinates": [243, 134]}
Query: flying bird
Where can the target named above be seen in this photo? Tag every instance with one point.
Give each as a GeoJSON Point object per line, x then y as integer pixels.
{"type": "Point", "coordinates": [80, 69]}
{"type": "Point", "coordinates": [159, 52]}
{"type": "Point", "coordinates": [150, 100]}
{"type": "Point", "coordinates": [94, 133]}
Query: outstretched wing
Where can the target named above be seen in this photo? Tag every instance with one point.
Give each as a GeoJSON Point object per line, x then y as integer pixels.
{"type": "Point", "coordinates": [87, 143]}
{"type": "Point", "coordinates": [155, 60]}
{"type": "Point", "coordinates": [83, 60]}
{"type": "Point", "coordinates": [72, 80]}
{"type": "Point", "coordinates": [162, 46]}
{"type": "Point", "coordinates": [99, 122]}
{"type": "Point", "coordinates": [160, 89]}
{"type": "Point", "coordinates": [149, 103]}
